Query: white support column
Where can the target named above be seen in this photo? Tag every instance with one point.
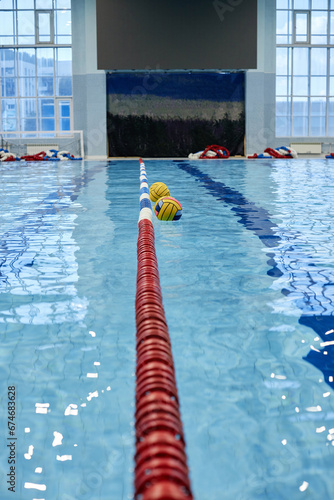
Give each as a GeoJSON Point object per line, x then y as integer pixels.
{"type": "Point", "coordinates": [260, 84]}
{"type": "Point", "coordinates": [89, 84]}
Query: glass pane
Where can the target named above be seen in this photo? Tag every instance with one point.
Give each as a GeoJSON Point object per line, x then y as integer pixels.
{"type": "Point", "coordinates": [26, 40]}
{"type": "Point", "coordinates": [44, 4]}
{"type": "Point", "coordinates": [63, 24]}
{"type": "Point", "coordinates": [318, 106]}
{"type": "Point", "coordinates": [64, 109]}
{"type": "Point", "coordinates": [300, 85]}
{"type": "Point", "coordinates": [301, 4]}
{"type": "Point", "coordinates": [318, 126]}
{"type": "Point", "coordinates": [28, 108]}
{"type": "Point", "coordinates": [282, 61]}
{"type": "Point", "coordinates": [45, 86]}
{"type": "Point", "coordinates": [46, 108]}
{"type": "Point", "coordinates": [319, 39]}
{"type": "Point", "coordinates": [9, 125]}
{"type": "Point", "coordinates": [44, 27]}
{"type": "Point", "coordinates": [27, 87]}
{"type": "Point", "coordinates": [331, 85]}
{"type": "Point", "coordinates": [331, 107]}
{"type": "Point", "coordinates": [28, 114]}
{"type": "Point", "coordinates": [26, 27]}
{"type": "Point", "coordinates": [319, 20]}
{"type": "Point", "coordinates": [64, 62]}
{"type": "Point", "coordinates": [331, 125]}
{"type": "Point", "coordinates": [300, 107]}
{"type": "Point", "coordinates": [46, 124]}
{"type": "Point", "coordinates": [300, 61]}
{"type": "Point", "coordinates": [6, 5]}
{"type": "Point", "coordinates": [8, 87]}
{"type": "Point", "coordinates": [280, 39]}
{"type": "Point", "coordinates": [44, 61]}
{"type": "Point", "coordinates": [332, 4]}
{"type": "Point", "coordinates": [318, 85]}
{"type": "Point", "coordinates": [331, 61]}
{"type": "Point", "coordinates": [26, 23]}
{"type": "Point", "coordinates": [283, 126]}
{"type": "Point", "coordinates": [7, 28]}
{"type": "Point", "coordinates": [301, 39]}
{"type": "Point", "coordinates": [282, 22]}
{"type": "Point", "coordinates": [64, 86]}
{"type": "Point", "coordinates": [63, 39]}
{"type": "Point", "coordinates": [283, 85]}
{"type": "Point", "coordinates": [300, 126]}
{"type": "Point", "coordinates": [65, 124]}
{"type": "Point", "coordinates": [319, 4]}
{"type": "Point", "coordinates": [8, 62]}
{"type": "Point", "coordinates": [26, 62]}
{"type": "Point", "coordinates": [9, 114]}
{"type": "Point", "coordinates": [25, 4]}
{"type": "Point", "coordinates": [319, 61]}
{"type": "Point", "coordinates": [283, 106]}
{"type": "Point", "coordinates": [62, 4]}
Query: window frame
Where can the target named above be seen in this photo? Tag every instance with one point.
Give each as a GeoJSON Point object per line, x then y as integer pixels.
{"type": "Point", "coordinates": [310, 97]}
{"type": "Point", "coordinates": [294, 26]}
{"type": "Point", "coordinates": [37, 40]}
{"type": "Point", "coordinates": [18, 97]}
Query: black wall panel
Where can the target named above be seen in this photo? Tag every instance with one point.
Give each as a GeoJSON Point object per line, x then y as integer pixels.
{"type": "Point", "coordinates": [176, 34]}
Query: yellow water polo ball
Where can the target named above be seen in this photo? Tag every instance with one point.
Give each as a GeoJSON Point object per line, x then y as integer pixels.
{"type": "Point", "coordinates": [158, 190]}
{"type": "Point", "coordinates": [168, 208]}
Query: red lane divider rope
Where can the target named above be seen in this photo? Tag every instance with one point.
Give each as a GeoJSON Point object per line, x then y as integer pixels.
{"type": "Point", "coordinates": [161, 471]}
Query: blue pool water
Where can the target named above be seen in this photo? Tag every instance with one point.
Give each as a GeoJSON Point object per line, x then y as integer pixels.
{"type": "Point", "coordinates": [247, 282]}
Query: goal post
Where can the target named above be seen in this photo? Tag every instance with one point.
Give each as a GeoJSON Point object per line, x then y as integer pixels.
{"type": "Point", "coordinates": [28, 143]}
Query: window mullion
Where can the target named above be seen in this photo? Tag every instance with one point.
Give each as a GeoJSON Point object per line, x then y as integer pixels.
{"type": "Point", "coordinates": [36, 93]}
{"type": "Point", "coordinates": [54, 89]}
{"type": "Point", "coordinates": [1, 123]}
{"type": "Point", "coordinates": [328, 67]}
{"type": "Point", "coordinates": [52, 25]}
{"type": "Point", "coordinates": [292, 65]}
{"type": "Point", "coordinates": [16, 28]}
{"type": "Point", "coordinates": [327, 90]}
{"type": "Point", "coordinates": [18, 127]}
{"type": "Point", "coordinates": [309, 92]}
{"type": "Point", "coordinates": [36, 27]}
{"type": "Point", "coordinates": [328, 23]}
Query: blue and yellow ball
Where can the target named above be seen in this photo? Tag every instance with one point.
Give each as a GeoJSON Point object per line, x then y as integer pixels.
{"type": "Point", "coordinates": [158, 190]}
{"type": "Point", "coordinates": [168, 208]}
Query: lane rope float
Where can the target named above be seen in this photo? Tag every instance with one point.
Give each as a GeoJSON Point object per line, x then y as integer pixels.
{"type": "Point", "coordinates": [161, 471]}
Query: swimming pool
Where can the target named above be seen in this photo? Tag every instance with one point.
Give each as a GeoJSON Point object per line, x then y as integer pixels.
{"type": "Point", "coordinates": [246, 276]}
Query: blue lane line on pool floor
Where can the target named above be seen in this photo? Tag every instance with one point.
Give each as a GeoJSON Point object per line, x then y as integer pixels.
{"type": "Point", "coordinates": [257, 220]}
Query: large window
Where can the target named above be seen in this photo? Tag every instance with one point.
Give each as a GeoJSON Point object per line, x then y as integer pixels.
{"type": "Point", "coordinates": [35, 66]}
{"type": "Point", "coordinates": [305, 68]}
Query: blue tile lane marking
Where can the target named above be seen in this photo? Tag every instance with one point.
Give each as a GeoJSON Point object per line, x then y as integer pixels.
{"type": "Point", "coordinates": [257, 220]}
